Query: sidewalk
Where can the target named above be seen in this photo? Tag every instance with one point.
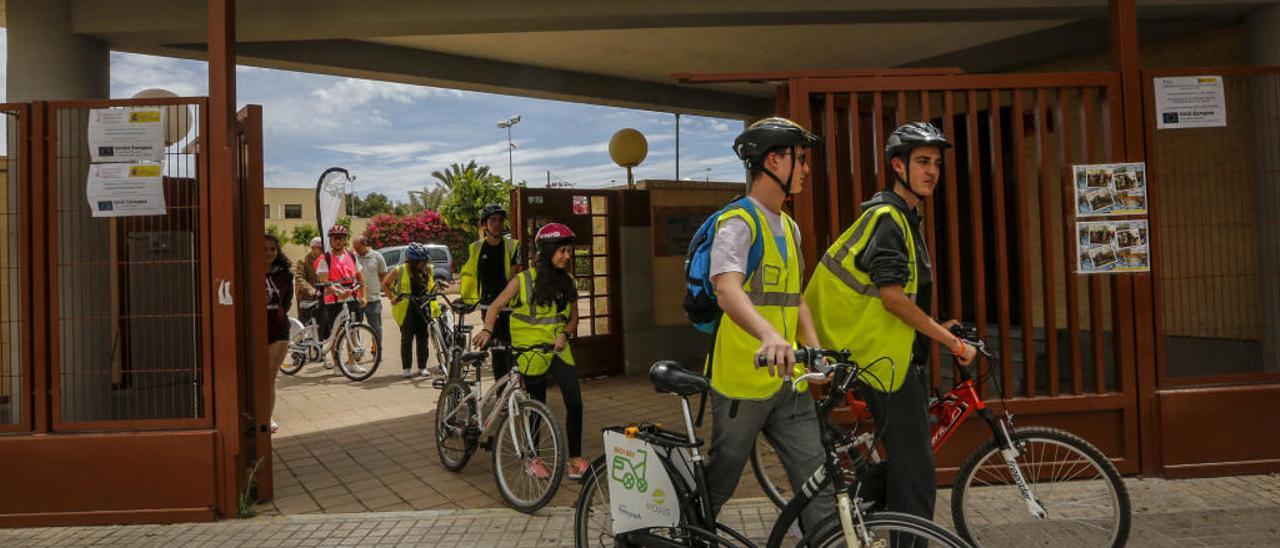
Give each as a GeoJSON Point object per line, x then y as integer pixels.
{"type": "Point", "coordinates": [1233, 511]}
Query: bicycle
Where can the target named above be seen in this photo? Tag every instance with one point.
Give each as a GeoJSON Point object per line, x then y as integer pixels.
{"type": "Point", "coordinates": [1004, 494]}
{"type": "Point", "coordinates": [449, 333]}
{"type": "Point", "coordinates": [355, 343]}
{"type": "Point", "coordinates": [672, 507]}
{"type": "Point", "coordinates": [518, 430]}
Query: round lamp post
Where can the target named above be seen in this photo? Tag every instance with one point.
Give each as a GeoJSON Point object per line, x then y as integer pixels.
{"type": "Point", "coordinates": [177, 118]}
{"type": "Point", "coordinates": [628, 148]}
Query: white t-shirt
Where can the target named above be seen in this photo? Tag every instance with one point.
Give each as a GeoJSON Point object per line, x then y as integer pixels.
{"type": "Point", "coordinates": [732, 244]}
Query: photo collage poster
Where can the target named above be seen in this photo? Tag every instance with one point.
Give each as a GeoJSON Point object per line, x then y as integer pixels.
{"type": "Point", "coordinates": [1106, 243]}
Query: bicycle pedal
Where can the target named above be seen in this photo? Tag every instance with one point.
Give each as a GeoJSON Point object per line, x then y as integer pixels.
{"type": "Point", "coordinates": [438, 384]}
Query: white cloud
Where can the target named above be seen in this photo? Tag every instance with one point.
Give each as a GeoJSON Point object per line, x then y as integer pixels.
{"type": "Point", "coordinates": [391, 152]}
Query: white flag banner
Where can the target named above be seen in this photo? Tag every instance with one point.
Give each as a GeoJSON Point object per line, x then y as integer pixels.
{"type": "Point", "coordinates": [331, 190]}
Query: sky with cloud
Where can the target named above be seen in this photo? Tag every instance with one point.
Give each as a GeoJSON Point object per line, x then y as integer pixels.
{"type": "Point", "coordinates": [392, 136]}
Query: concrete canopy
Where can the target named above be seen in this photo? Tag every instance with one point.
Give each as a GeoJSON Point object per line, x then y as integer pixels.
{"type": "Point", "coordinates": [624, 53]}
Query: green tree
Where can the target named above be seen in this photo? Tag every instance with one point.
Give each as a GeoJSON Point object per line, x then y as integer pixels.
{"type": "Point", "coordinates": [275, 231]}
{"type": "Point", "coordinates": [471, 191]}
{"type": "Point", "coordinates": [371, 205]}
{"type": "Point", "coordinates": [449, 176]}
{"type": "Point", "coordinates": [429, 198]}
{"type": "Point", "coordinates": [302, 234]}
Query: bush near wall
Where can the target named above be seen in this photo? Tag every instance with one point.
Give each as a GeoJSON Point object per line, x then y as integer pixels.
{"type": "Point", "coordinates": [387, 230]}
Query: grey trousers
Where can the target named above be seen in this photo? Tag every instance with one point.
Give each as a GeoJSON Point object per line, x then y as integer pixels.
{"type": "Point", "coordinates": [787, 419]}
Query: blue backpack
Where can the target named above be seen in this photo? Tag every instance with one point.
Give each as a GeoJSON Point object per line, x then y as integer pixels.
{"type": "Point", "coordinates": [700, 305]}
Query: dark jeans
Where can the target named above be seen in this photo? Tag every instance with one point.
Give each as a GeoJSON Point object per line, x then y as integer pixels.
{"type": "Point", "coordinates": [501, 335]}
{"type": "Point", "coordinates": [330, 315]}
{"type": "Point", "coordinates": [911, 482]}
{"type": "Point", "coordinates": [566, 377]}
{"type": "Point", "coordinates": [414, 328]}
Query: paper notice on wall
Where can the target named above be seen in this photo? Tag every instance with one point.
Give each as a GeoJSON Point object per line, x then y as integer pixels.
{"type": "Point", "coordinates": [126, 134]}
{"type": "Point", "coordinates": [1190, 101]}
{"type": "Point", "coordinates": [1110, 189]}
{"type": "Point", "coordinates": [1113, 246]}
{"type": "Point", "coordinates": [125, 190]}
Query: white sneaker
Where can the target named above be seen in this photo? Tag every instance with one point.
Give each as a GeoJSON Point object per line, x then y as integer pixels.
{"type": "Point", "coordinates": [355, 368]}
{"type": "Point", "coordinates": [429, 372]}
{"type": "Point", "coordinates": [328, 364]}
{"type": "Point", "coordinates": [408, 374]}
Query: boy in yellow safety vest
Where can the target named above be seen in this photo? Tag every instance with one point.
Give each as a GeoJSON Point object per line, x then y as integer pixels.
{"type": "Point", "coordinates": [492, 261]}
{"type": "Point", "coordinates": [869, 294]}
{"type": "Point", "coordinates": [765, 316]}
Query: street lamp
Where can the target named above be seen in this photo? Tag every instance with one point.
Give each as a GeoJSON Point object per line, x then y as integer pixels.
{"type": "Point", "coordinates": [506, 124]}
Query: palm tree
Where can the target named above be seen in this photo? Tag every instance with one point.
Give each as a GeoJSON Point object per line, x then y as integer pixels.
{"type": "Point", "coordinates": [455, 171]}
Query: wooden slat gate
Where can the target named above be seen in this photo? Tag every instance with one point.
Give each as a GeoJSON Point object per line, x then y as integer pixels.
{"type": "Point", "coordinates": [1000, 227]}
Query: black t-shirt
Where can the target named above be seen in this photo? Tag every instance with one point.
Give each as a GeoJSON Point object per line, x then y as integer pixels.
{"type": "Point", "coordinates": [491, 271]}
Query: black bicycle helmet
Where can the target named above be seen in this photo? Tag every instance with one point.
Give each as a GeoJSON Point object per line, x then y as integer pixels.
{"type": "Point", "coordinates": [912, 135]}
{"type": "Point", "coordinates": [770, 134]}
{"type": "Point", "coordinates": [490, 210]}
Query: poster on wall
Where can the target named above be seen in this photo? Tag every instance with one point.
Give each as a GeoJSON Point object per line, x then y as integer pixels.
{"type": "Point", "coordinates": [1190, 101]}
{"type": "Point", "coordinates": [1112, 246]}
{"type": "Point", "coordinates": [1110, 189]}
{"type": "Point", "coordinates": [126, 134]}
{"type": "Point", "coordinates": [674, 227]}
{"type": "Point", "coordinates": [125, 190]}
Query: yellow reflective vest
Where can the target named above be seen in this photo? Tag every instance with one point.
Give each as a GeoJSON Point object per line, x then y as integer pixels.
{"type": "Point", "coordinates": [469, 282]}
{"type": "Point", "coordinates": [774, 290]}
{"type": "Point", "coordinates": [848, 312]}
{"type": "Point", "coordinates": [402, 289]}
{"type": "Point", "coordinates": [533, 325]}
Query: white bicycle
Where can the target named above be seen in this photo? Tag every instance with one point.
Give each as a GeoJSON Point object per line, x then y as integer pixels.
{"type": "Point", "coordinates": [354, 343]}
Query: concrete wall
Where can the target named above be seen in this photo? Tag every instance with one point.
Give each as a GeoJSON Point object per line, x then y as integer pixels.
{"type": "Point", "coordinates": [276, 198]}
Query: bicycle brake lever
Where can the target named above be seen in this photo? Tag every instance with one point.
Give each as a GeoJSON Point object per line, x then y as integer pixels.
{"type": "Point", "coordinates": [807, 377]}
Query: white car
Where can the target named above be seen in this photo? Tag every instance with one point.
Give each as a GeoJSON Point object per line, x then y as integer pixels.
{"type": "Point", "coordinates": [441, 258]}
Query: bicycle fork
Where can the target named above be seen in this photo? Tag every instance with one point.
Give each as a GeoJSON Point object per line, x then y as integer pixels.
{"type": "Point", "coordinates": [1010, 452]}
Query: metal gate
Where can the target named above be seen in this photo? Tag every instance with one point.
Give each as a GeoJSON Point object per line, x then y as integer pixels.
{"type": "Point", "coordinates": [594, 217]}
{"type": "Point", "coordinates": [1000, 228]}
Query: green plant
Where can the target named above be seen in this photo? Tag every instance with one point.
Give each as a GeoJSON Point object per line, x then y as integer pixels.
{"type": "Point", "coordinates": [470, 190]}
{"type": "Point", "coordinates": [302, 234]}
{"type": "Point", "coordinates": [247, 502]}
{"type": "Point", "coordinates": [275, 231]}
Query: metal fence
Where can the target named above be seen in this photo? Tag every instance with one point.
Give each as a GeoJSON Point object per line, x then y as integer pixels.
{"type": "Point", "coordinates": [128, 321]}
{"type": "Point", "coordinates": [1000, 224]}
{"type": "Point", "coordinates": [15, 377]}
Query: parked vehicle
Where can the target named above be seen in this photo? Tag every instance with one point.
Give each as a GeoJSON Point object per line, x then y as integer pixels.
{"type": "Point", "coordinates": [441, 258]}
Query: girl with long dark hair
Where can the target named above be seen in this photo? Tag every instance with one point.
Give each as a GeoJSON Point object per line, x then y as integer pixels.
{"type": "Point", "coordinates": [546, 292]}
{"type": "Point", "coordinates": [279, 298]}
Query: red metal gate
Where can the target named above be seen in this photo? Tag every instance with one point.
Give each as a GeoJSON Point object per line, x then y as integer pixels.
{"type": "Point", "coordinates": [1000, 228]}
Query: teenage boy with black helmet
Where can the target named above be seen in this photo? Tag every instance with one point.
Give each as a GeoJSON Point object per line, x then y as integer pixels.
{"type": "Point", "coordinates": [491, 263]}
{"type": "Point", "coordinates": [869, 295]}
{"type": "Point", "coordinates": [764, 316]}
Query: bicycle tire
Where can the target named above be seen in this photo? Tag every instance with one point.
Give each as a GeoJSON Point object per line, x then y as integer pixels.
{"type": "Point", "coordinates": [967, 506]}
{"type": "Point", "coordinates": [454, 456]}
{"type": "Point", "coordinates": [764, 461]}
{"type": "Point", "coordinates": [358, 335]}
{"type": "Point", "coordinates": [435, 333]}
{"type": "Point", "coordinates": [884, 524]}
{"type": "Point", "coordinates": [533, 413]}
{"type": "Point", "coordinates": [294, 363]}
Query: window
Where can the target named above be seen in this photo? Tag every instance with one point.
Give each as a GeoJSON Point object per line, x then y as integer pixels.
{"type": "Point", "coordinates": [293, 211]}
{"type": "Point", "coordinates": [266, 211]}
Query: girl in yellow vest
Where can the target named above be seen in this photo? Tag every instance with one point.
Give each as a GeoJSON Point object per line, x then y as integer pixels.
{"type": "Point", "coordinates": [544, 310]}
{"type": "Point", "coordinates": [408, 286]}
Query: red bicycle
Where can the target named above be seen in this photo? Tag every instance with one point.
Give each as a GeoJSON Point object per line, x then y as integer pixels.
{"type": "Point", "coordinates": [1024, 486]}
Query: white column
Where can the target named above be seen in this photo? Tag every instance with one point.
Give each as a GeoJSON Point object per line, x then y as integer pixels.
{"type": "Point", "coordinates": [47, 61]}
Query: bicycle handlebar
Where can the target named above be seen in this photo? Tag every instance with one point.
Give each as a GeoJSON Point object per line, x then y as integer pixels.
{"type": "Point", "coordinates": [969, 335]}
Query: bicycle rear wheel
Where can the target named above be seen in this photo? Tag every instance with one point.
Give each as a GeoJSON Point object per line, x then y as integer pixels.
{"type": "Point", "coordinates": [358, 353]}
{"type": "Point", "coordinates": [455, 422]}
{"type": "Point", "coordinates": [294, 361]}
{"type": "Point", "coordinates": [1084, 498]}
{"type": "Point", "coordinates": [528, 463]}
{"type": "Point", "coordinates": [769, 472]}
{"type": "Point", "coordinates": [893, 529]}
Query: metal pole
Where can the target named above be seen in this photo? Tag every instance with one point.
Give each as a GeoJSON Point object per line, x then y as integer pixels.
{"type": "Point", "coordinates": [511, 174]}
{"type": "Point", "coordinates": [677, 146]}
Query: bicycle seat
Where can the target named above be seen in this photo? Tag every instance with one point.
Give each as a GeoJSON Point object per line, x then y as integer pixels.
{"type": "Point", "coordinates": [459, 306]}
{"type": "Point", "coordinates": [473, 356]}
{"type": "Point", "coordinates": [669, 378]}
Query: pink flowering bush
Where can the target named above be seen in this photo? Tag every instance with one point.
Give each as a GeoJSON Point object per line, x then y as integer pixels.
{"type": "Point", "coordinates": [386, 230]}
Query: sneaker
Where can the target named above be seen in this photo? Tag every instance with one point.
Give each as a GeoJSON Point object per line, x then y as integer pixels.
{"type": "Point", "coordinates": [328, 364]}
{"type": "Point", "coordinates": [577, 467]}
{"type": "Point", "coordinates": [355, 368]}
{"type": "Point", "coordinates": [408, 374]}
{"type": "Point", "coordinates": [275, 426]}
{"type": "Point", "coordinates": [536, 468]}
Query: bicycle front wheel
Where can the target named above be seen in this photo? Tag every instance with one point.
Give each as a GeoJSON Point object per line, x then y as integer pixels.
{"type": "Point", "coordinates": [1084, 499]}
{"type": "Point", "coordinates": [439, 340]}
{"type": "Point", "coordinates": [890, 529]}
{"type": "Point", "coordinates": [358, 353]}
{"type": "Point", "coordinates": [528, 456]}
{"type": "Point", "coordinates": [294, 361]}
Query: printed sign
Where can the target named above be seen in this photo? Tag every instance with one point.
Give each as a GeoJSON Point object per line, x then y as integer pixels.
{"type": "Point", "coordinates": [1190, 101]}
{"type": "Point", "coordinates": [1110, 189]}
{"type": "Point", "coordinates": [1113, 246]}
{"type": "Point", "coordinates": [581, 206]}
{"type": "Point", "coordinates": [126, 134]}
{"type": "Point", "coordinates": [640, 491]}
{"type": "Point", "coordinates": [125, 190]}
